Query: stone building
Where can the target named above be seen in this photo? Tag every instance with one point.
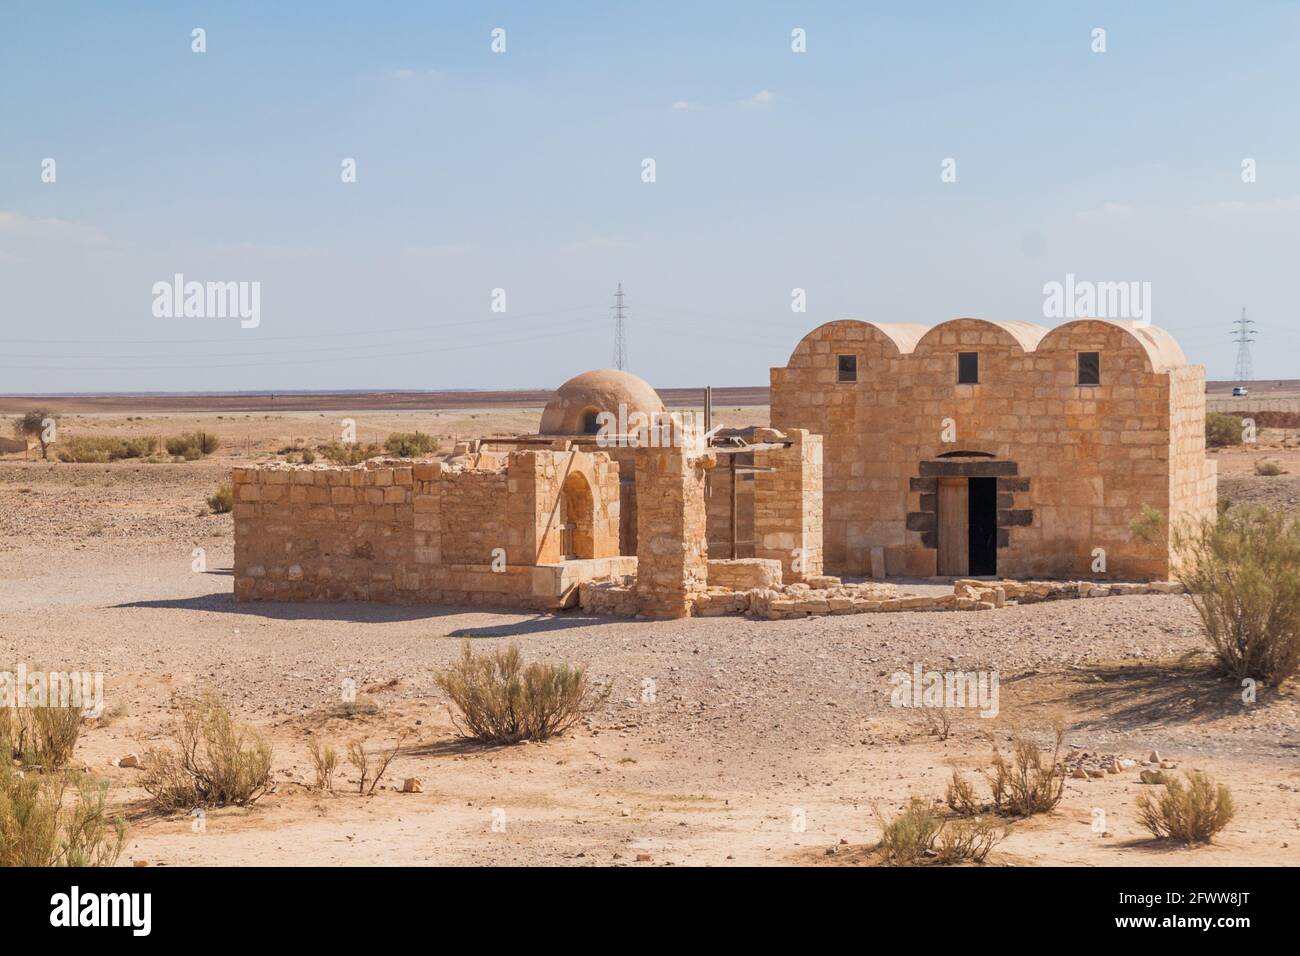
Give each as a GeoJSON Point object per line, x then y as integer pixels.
{"type": "Point", "coordinates": [979, 448]}
{"type": "Point", "coordinates": [612, 489]}
{"type": "Point", "coordinates": [973, 448]}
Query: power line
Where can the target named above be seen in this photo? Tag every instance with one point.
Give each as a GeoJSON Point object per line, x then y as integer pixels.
{"type": "Point", "coordinates": [620, 333]}
{"type": "Point", "coordinates": [1245, 371]}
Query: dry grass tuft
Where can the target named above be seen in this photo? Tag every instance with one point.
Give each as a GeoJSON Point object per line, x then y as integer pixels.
{"type": "Point", "coordinates": [960, 797]}
{"type": "Point", "coordinates": [37, 829]}
{"type": "Point", "coordinates": [1028, 783]}
{"type": "Point", "coordinates": [502, 701]}
{"type": "Point", "coordinates": [919, 835]}
{"type": "Point", "coordinates": [361, 759]}
{"type": "Point", "coordinates": [222, 500]}
{"type": "Point", "coordinates": [40, 736]}
{"type": "Point", "coordinates": [216, 761]}
{"type": "Point", "coordinates": [1189, 814]}
{"type": "Point", "coordinates": [324, 760]}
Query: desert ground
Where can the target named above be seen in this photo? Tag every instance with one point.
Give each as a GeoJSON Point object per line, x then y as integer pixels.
{"type": "Point", "coordinates": [752, 725]}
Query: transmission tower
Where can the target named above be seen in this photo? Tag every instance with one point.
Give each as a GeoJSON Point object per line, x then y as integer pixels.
{"type": "Point", "coordinates": [1243, 337]}
{"type": "Point", "coordinates": [620, 332]}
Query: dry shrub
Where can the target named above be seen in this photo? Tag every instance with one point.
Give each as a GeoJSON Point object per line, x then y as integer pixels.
{"type": "Point", "coordinates": [216, 761]}
{"type": "Point", "coordinates": [192, 445]}
{"type": "Point", "coordinates": [37, 829]}
{"type": "Point", "coordinates": [222, 500]}
{"type": "Point", "coordinates": [324, 760]}
{"type": "Point", "coordinates": [960, 797]}
{"type": "Point", "coordinates": [905, 840]}
{"type": "Point", "coordinates": [39, 736]}
{"type": "Point", "coordinates": [501, 701]}
{"type": "Point", "coordinates": [1268, 467]}
{"type": "Point", "coordinates": [1243, 573]}
{"type": "Point", "coordinates": [920, 835]}
{"type": "Point", "coordinates": [1027, 784]}
{"type": "Point", "coordinates": [969, 840]}
{"type": "Point", "coordinates": [938, 722]}
{"type": "Point", "coordinates": [105, 448]}
{"type": "Point", "coordinates": [1222, 430]}
{"type": "Point", "coordinates": [1189, 814]}
{"type": "Point", "coordinates": [360, 758]}
{"type": "Point", "coordinates": [410, 444]}
{"type": "Point", "coordinates": [349, 453]}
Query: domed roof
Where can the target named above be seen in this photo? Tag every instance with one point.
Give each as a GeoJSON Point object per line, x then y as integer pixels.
{"type": "Point", "coordinates": [576, 403]}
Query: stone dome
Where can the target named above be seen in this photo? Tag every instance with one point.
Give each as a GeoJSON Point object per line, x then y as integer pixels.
{"type": "Point", "coordinates": [578, 401]}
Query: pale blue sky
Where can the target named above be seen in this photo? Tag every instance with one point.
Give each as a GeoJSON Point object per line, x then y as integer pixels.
{"type": "Point", "coordinates": [522, 171]}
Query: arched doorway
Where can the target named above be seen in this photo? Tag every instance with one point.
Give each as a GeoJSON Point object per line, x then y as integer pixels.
{"type": "Point", "coordinates": [576, 518]}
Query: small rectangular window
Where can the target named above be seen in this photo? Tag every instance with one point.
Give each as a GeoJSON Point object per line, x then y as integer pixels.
{"type": "Point", "coordinates": [848, 368]}
{"type": "Point", "coordinates": [968, 368]}
{"type": "Point", "coordinates": [1089, 368]}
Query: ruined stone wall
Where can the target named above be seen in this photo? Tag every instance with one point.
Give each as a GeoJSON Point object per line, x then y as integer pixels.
{"type": "Point", "coordinates": [1075, 464]}
{"type": "Point", "coordinates": [672, 550]}
{"type": "Point", "coordinates": [423, 532]}
{"type": "Point", "coordinates": [342, 534]}
{"type": "Point", "coordinates": [788, 505]}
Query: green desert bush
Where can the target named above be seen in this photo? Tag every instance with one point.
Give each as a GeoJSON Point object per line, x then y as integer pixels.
{"type": "Point", "coordinates": [503, 701]}
{"type": "Point", "coordinates": [192, 445]}
{"type": "Point", "coordinates": [1189, 814]}
{"type": "Point", "coordinates": [1268, 467]}
{"type": "Point", "coordinates": [105, 448]}
{"type": "Point", "coordinates": [39, 827]}
{"type": "Point", "coordinates": [1028, 783]}
{"type": "Point", "coordinates": [410, 444]}
{"type": "Point", "coordinates": [1222, 430]}
{"type": "Point", "coordinates": [215, 761]}
{"type": "Point", "coordinates": [1243, 573]}
{"type": "Point", "coordinates": [920, 835]}
{"type": "Point", "coordinates": [42, 737]}
{"type": "Point", "coordinates": [905, 840]}
{"type": "Point", "coordinates": [348, 453]}
{"type": "Point", "coordinates": [222, 499]}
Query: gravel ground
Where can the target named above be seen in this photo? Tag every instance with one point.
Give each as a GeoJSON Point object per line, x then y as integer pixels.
{"type": "Point", "coordinates": [749, 720]}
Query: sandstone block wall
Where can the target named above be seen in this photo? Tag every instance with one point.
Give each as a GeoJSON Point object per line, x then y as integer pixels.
{"type": "Point", "coordinates": [741, 574]}
{"type": "Point", "coordinates": [672, 550]}
{"type": "Point", "coordinates": [422, 532]}
{"type": "Point", "coordinates": [1077, 463]}
{"type": "Point", "coordinates": [788, 505]}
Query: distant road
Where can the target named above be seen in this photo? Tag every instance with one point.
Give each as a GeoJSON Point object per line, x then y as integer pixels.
{"type": "Point", "coordinates": [342, 401]}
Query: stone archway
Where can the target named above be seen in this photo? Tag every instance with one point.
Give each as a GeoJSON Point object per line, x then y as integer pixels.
{"type": "Point", "coordinates": [577, 507]}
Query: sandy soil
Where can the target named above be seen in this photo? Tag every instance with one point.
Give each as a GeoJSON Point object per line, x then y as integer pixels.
{"type": "Point", "coordinates": [751, 725]}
